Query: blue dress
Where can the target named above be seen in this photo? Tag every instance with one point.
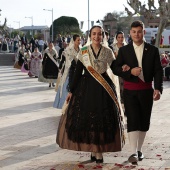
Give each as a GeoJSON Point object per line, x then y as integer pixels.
{"type": "Point", "coordinates": [59, 100]}
{"type": "Point", "coordinates": [70, 57]}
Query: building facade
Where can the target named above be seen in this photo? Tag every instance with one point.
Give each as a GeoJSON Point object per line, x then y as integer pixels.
{"type": "Point", "coordinates": [37, 31]}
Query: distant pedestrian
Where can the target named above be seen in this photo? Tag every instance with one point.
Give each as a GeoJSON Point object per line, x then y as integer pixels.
{"type": "Point", "coordinates": [35, 63]}
{"type": "Point", "coordinates": [57, 48]}
{"type": "Point", "coordinates": [162, 40]}
{"type": "Point", "coordinates": [40, 44]}
{"type": "Point", "coordinates": [24, 40]}
{"type": "Point", "coordinates": [152, 41]}
{"type": "Point", "coordinates": [4, 46]}
{"type": "Point", "coordinates": [50, 64]}
{"type": "Point", "coordinates": [59, 40]}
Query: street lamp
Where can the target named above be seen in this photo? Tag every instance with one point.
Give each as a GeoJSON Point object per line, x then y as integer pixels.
{"type": "Point", "coordinates": [52, 20]}
{"type": "Point", "coordinates": [19, 25]}
{"type": "Point", "coordinates": [32, 24]}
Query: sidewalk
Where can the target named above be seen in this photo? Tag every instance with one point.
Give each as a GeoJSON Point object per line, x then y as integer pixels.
{"type": "Point", "coordinates": [28, 125]}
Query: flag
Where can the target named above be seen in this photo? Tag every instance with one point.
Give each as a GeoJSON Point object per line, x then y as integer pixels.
{"type": "Point", "coordinates": [92, 23]}
{"type": "Point", "coordinates": [81, 24]}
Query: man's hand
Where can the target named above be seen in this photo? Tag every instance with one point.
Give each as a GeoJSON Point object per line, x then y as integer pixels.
{"type": "Point", "coordinates": [125, 68]}
{"type": "Point", "coordinates": [136, 71]}
{"type": "Point", "coordinates": [156, 95]}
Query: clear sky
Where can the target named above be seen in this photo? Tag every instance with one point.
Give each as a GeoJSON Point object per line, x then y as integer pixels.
{"type": "Point", "coordinates": [17, 10]}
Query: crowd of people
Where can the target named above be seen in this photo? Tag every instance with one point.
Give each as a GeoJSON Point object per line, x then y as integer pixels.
{"type": "Point", "coordinates": [96, 83]}
{"type": "Point", "coordinates": [165, 62]}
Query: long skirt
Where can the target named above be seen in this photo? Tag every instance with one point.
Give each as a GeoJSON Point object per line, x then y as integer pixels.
{"type": "Point", "coordinates": [92, 121]}
{"type": "Point", "coordinates": [41, 78]}
{"type": "Point", "coordinates": [35, 66]}
{"type": "Point", "coordinates": [61, 97]}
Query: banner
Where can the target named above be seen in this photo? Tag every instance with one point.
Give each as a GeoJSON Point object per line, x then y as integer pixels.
{"type": "Point", "coordinates": [92, 23]}
{"type": "Point", "coordinates": [81, 24]}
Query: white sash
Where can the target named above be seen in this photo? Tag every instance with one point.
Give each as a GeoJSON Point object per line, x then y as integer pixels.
{"type": "Point", "coordinates": [51, 57]}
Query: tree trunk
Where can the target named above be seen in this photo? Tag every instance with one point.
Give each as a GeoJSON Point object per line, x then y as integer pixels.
{"type": "Point", "coordinates": [161, 27]}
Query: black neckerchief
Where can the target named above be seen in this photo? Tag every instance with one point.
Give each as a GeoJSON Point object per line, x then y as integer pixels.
{"type": "Point", "coordinates": [96, 56]}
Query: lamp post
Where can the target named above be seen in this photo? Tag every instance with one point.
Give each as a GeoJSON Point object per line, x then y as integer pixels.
{"type": "Point", "coordinates": [52, 21]}
{"type": "Point", "coordinates": [19, 25]}
{"type": "Point", "coordinates": [32, 24]}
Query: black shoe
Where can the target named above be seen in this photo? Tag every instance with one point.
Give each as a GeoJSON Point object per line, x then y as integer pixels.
{"type": "Point", "coordinates": [49, 85]}
{"type": "Point", "coordinates": [93, 158]}
{"type": "Point", "coordinates": [133, 159]}
{"type": "Point", "coordinates": [99, 161]}
{"type": "Point", "coordinates": [53, 84]}
{"type": "Point", "coordinates": [140, 156]}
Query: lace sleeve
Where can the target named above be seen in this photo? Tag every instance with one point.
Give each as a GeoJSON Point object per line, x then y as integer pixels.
{"type": "Point", "coordinates": [76, 77]}
{"type": "Point", "coordinates": [110, 57]}
{"type": "Point", "coordinates": [71, 73]}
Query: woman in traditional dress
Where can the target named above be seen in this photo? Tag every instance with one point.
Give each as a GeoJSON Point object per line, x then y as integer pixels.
{"type": "Point", "coordinates": [70, 55]}
{"type": "Point", "coordinates": [35, 63]}
{"type": "Point", "coordinates": [50, 65]}
{"type": "Point", "coordinates": [4, 47]}
{"type": "Point", "coordinates": [92, 121]}
{"type": "Point", "coordinates": [119, 41]}
{"type": "Point", "coordinates": [21, 53]}
{"type": "Point", "coordinates": [16, 42]}
{"type": "Point", "coordinates": [25, 65]}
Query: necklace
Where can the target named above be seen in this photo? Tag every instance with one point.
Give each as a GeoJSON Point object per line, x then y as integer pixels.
{"type": "Point", "coordinates": [76, 48]}
{"type": "Point", "coordinates": [96, 51]}
{"type": "Point", "coordinates": [96, 54]}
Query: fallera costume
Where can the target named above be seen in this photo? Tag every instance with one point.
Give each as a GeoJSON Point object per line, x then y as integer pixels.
{"type": "Point", "coordinates": [19, 60]}
{"type": "Point", "coordinates": [21, 56]}
{"type": "Point", "coordinates": [50, 65]}
{"type": "Point", "coordinates": [91, 122]}
{"type": "Point", "coordinates": [26, 65]}
{"type": "Point", "coordinates": [35, 64]}
{"type": "Point", "coordinates": [70, 64]}
{"type": "Point", "coordinates": [4, 47]}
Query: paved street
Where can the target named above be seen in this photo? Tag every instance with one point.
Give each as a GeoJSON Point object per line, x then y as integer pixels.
{"type": "Point", "coordinates": [28, 125]}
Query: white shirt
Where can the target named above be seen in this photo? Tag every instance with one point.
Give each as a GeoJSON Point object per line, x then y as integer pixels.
{"type": "Point", "coordinates": [57, 48]}
{"type": "Point", "coordinates": [41, 42]}
{"type": "Point", "coordinates": [139, 55]}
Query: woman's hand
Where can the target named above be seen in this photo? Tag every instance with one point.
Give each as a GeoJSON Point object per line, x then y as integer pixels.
{"type": "Point", "coordinates": [68, 97]}
{"type": "Point", "coordinates": [125, 68]}
{"type": "Point", "coordinates": [115, 53]}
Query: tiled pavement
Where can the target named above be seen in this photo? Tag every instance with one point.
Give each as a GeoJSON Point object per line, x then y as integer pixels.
{"type": "Point", "coordinates": [28, 125]}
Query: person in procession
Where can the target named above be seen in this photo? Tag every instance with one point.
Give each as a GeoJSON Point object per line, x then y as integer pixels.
{"type": "Point", "coordinates": [70, 60]}
{"type": "Point", "coordinates": [92, 122]}
{"type": "Point", "coordinates": [138, 63]}
{"type": "Point", "coordinates": [35, 63]}
{"type": "Point", "coordinates": [50, 65]}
